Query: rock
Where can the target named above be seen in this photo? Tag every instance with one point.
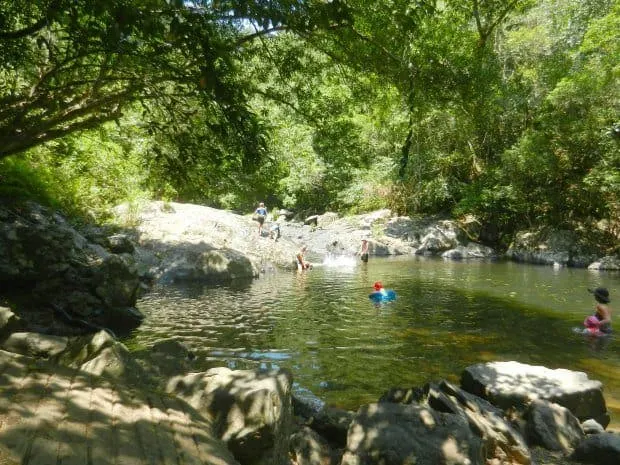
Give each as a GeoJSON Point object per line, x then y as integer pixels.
{"type": "Point", "coordinates": [35, 345]}
{"type": "Point", "coordinates": [286, 214]}
{"type": "Point", "coordinates": [402, 227]}
{"type": "Point", "coordinates": [123, 319]}
{"type": "Point", "coordinates": [396, 434]}
{"type": "Point", "coordinates": [535, 247]}
{"type": "Point", "coordinates": [552, 426]}
{"type": "Point", "coordinates": [326, 219]}
{"type": "Point", "coordinates": [599, 449]}
{"type": "Point", "coordinates": [102, 355]}
{"type": "Point", "coordinates": [330, 422]}
{"type": "Point", "coordinates": [442, 237]}
{"type": "Point", "coordinates": [42, 254]}
{"type": "Point", "coordinates": [78, 302]}
{"type": "Point", "coordinates": [312, 220]}
{"type": "Point", "coordinates": [405, 395]}
{"type": "Point", "coordinates": [471, 250]}
{"type": "Point", "coordinates": [116, 282]}
{"type": "Point", "coordinates": [250, 410]}
{"type": "Point", "coordinates": [508, 384]}
{"type": "Point", "coordinates": [608, 262]}
{"type": "Point", "coordinates": [333, 424]}
{"type": "Point", "coordinates": [9, 323]}
{"type": "Point", "coordinates": [173, 348]}
{"type": "Point", "coordinates": [167, 358]}
{"type": "Point", "coordinates": [308, 448]}
{"type": "Point", "coordinates": [592, 427]}
{"type": "Point", "coordinates": [120, 243]}
{"type": "Point", "coordinates": [501, 441]}
{"type": "Point", "coordinates": [203, 263]}
{"type": "Point", "coordinates": [550, 247]}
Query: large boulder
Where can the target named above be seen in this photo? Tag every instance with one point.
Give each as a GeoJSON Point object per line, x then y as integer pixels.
{"type": "Point", "coordinates": [599, 449]}
{"type": "Point", "coordinates": [116, 281]}
{"type": "Point", "coordinates": [185, 242]}
{"type": "Point", "coordinates": [308, 448]}
{"type": "Point", "coordinates": [35, 345]}
{"type": "Point", "coordinates": [609, 262]}
{"type": "Point", "coordinates": [397, 434]}
{"type": "Point", "coordinates": [471, 250]}
{"type": "Point", "coordinates": [201, 262]}
{"type": "Point", "coordinates": [250, 410]}
{"type": "Point", "coordinates": [330, 422]}
{"type": "Point", "coordinates": [9, 323]}
{"type": "Point", "coordinates": [550, 247]}
{"type": "Point", "coordinates": [440, 238]}
{"type": "Point", "coordinates": [552, 426]}
{"type": "Point", "coordinates": [514, 384]}
{"type": "Point", "coordinates": [44, 256]}
{"type": "Point", "coordinates": [102, 355]}
{"type": "Point", "coordinates": [501, 442]}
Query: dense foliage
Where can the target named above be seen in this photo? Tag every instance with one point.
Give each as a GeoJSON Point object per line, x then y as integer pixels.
{"type": "Point", "coordinates": [506, 111]}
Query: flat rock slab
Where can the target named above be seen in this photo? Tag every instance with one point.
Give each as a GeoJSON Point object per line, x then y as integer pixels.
{"type": "Point", "coordinates": [508, 384]}
{"type": "Point", "coordinates": [53, 415]}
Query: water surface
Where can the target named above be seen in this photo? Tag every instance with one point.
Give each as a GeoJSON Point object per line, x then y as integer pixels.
{"type": "Point", "coordinates": [347, 351]}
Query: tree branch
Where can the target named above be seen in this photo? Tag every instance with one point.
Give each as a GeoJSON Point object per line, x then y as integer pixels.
{"type": "Point", "coordinates": [28, 30]}
{"type": "Point", "coordinates": [261, 33]}
{"type": "Point", "coordinates": [13, 145]}
{"type": "Point", "coordinates": [283, 101]}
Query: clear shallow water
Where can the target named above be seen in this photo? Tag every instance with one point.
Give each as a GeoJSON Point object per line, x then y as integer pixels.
{"type": "Point", "coordinates": [321, 325]}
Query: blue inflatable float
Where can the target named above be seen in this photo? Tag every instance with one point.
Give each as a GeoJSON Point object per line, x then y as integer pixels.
{"type": "Point", "coordinates": [380, 294]}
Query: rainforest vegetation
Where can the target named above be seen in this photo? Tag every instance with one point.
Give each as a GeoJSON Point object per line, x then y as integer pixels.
{"type": "Point", "coordinates": [505, 111]}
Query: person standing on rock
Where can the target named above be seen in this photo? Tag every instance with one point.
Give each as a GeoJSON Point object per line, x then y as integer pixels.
{"type": "Point", "coordinates": [259, 215]}
{"type": "Point", "coordinates": [364, 251]}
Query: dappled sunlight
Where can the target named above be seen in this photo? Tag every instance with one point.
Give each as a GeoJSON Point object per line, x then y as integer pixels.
{"type": "Point", "coordinates": [59, 415]}
{"type": "Point", "coordinates": [427, 419]}
{"type": "Point", "coordinates": [452, 453]}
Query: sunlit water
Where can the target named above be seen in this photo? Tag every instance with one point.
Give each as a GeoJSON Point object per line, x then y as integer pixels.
{"type": "Point", "coordinates": [346, 350]}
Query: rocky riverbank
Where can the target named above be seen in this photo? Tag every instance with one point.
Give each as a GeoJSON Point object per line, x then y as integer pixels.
{"type": "Point", "coordinates": [89, 400]}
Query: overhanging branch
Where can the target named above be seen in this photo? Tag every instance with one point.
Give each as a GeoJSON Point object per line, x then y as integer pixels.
{"type": "Point", "coordinates": [28, 30]}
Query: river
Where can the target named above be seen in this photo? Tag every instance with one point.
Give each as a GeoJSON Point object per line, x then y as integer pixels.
{"type": "Point", "coordinates": [347, 351]}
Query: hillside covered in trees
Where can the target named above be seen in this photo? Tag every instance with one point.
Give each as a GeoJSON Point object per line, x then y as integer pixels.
{"type": "Point", "coordinates": [506, 111]}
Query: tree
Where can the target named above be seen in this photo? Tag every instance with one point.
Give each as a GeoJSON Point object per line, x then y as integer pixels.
{"type": "Point", "coordinates": [69, 65]}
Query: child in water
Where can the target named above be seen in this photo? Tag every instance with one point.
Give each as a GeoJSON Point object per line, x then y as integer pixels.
{"type": "Point", "coordinates": [601, 320]}
{"type": "Point", "coordinates": [379, 288]}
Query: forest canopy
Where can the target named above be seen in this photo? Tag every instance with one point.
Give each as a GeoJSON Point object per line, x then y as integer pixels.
{"type": "Point", "coordinates": [505, 111]}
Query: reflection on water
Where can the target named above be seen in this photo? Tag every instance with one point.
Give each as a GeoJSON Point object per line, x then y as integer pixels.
{"type": "Point", "coordinates": [448, 315]}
